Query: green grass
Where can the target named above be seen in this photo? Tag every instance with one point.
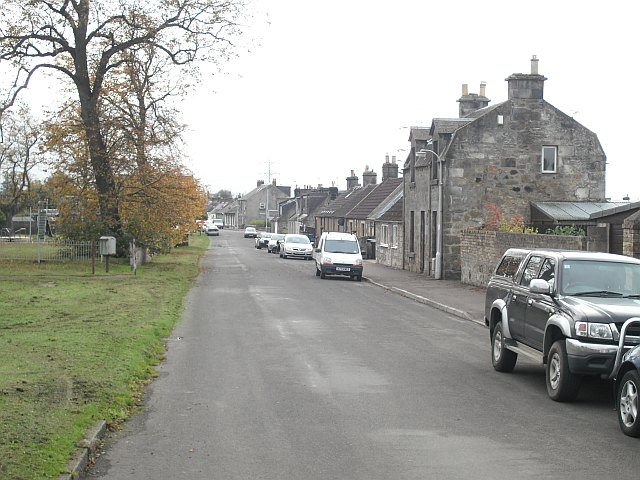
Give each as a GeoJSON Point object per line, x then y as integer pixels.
{"type": "Point", "coordinates": [76, 348]}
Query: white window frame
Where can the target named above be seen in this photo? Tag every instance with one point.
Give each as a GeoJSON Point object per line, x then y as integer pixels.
{"type": "Point", "coordinates": [553, 149]}
{"type": "Point", "coordinates": [394, 236]}
{"type": "Point", "coordinates": [384, 235]}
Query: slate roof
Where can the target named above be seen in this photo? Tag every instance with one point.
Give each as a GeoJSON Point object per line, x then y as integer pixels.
{"type": "Point", "coordinates": [448, 125]}
{"type": "Point", "coordinates": [582, 211]}
{"type": "Point", "coordinates": [378, 194]}
{"type": "Point", "coordinates": [390, 209]}
{"type": "Point", "coordinates": [419, 133]}
{"type": "Point", "coordinates": [345, 202]}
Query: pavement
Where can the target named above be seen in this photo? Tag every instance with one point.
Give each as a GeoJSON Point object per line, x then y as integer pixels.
{"type": "Point", "coordinates": [450, 296]}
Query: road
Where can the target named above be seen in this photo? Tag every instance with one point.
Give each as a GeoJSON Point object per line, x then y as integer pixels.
{"type": "Point", "coordinates": [277, 374]}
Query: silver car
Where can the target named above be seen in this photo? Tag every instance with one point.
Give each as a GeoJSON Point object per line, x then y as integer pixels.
{"type": "Point", "coordinates": [296, 246]}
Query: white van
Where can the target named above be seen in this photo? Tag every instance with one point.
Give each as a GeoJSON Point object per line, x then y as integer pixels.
{"type": "Point", "coordinates": [338, 254]}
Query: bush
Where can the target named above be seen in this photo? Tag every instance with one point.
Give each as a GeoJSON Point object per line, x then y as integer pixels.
{"type": "Point", "coordinates": [497, 222]}
{"type": "Point", "coordinates": [566, 230]}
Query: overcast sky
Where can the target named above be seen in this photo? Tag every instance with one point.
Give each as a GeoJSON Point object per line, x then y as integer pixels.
{"type": "Point", "coordinates": [329, 87]}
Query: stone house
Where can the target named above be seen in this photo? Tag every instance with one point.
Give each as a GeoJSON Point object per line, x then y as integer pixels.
{"type": "Point", "coordinates": [350, 211]}
{"type": "Point", "coordinates": [308, 203]}
{"type": "Point", "coordinates": [387, 218]}
{"type": "Point", "coordinates": [510, 154]}
{"type": "Point", "coordinates": [260, 205]}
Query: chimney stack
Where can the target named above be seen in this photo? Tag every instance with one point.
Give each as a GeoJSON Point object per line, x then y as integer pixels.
{"type": "Point", "coordinates": [352, 181]}
{"type": "Point", "coordinates": [524, 86]}
{"type": "Point", "coordinates": [389, 170]}
{"type": "Point", "coordinates": [369, 177]}
{"type": "Point", "coordinates": [260, 183]}
{"type": "Point", "coordinates": [470, 102]}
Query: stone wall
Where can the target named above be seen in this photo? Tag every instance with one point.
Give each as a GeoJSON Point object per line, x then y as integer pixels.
{"type": "Point", "coordinates": [481, 250]}
{"type": "Point", "coordinates": [631, 236]}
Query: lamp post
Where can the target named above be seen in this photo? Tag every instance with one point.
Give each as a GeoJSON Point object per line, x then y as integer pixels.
{"type": "Point", "coordinates": [438, 272]}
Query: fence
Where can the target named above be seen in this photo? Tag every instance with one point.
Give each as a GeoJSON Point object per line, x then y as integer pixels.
{"type": "Point", "coordinates": [47, 250]}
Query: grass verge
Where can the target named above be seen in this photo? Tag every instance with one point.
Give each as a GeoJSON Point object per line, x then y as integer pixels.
{"type": "Point", "coordinates": [76, 348]}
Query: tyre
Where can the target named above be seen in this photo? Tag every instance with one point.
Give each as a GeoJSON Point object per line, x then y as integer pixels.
{"type": "Point", "coordinates": [358, 278]}
{"type": "Point", "coordinates": [627, 401]}
{"type": "Point", "coordinates": [562, 385]}
{"type": "Point", "coordinates": [317, 272]}
{"type": "Point", "coordinates": [503, 359]}
{"type": "Point", "coordinates": [322, 275]}
{"type": "Point", "coordinates": [284, 255]}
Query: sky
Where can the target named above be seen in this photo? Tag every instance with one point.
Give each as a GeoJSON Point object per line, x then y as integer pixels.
{"type": "Point", "coordinates": [323, 88]}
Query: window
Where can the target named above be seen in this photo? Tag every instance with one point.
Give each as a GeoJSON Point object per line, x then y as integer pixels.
{"type": "Point", "coordinates": [531, 271]}
{"type": "Point", "coordinates": [509, 266]}
{"type": "Point", "coordinates": [384, 235]}
{"type": "Point", "coordinates": [394, 236]}
{"type": "Point", "coordinates": [549, 159]}
{"type": "Point", "coordinates": [411, 232]}
{"type": "Point", "coordinates": [261, 206]}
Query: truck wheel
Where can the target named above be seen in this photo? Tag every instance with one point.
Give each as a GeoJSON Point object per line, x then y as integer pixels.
{"type": "Point", "coordinates": [503, 359]}
{"type": "Point", "coordinates": [562, 385]}
{"type": "Point", "coordinates": [322, 275]}
{"type": "Point", "coordinates": [317, 272]}
{"type": "Point", "coordinates": [627, 401]}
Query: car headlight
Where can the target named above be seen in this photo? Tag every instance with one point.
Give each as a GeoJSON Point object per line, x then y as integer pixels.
{"type": "Point", "coordinates": [327, 261]}
{"type": "Point", "coordinates": [358, 262]}
{"type": "Point", "coordinates": [594, 330]}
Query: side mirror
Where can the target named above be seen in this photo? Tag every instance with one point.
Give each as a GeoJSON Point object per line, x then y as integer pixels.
{"type": "Point", "coordinates": [317, 250]}
{"type": "Point", "coordinates": [538, 285]}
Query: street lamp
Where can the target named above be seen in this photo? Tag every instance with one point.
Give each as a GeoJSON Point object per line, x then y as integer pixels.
{"type": "Point", "coordinates": [438, 272]}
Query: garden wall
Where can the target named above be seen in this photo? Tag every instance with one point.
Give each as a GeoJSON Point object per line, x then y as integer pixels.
{"type": "Point", "coordinates": [481, 250]}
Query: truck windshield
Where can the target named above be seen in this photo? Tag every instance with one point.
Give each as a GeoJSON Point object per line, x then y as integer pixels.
{"type": "Point", "coordinates": [593, 278]}
{"type": "Point", "coordinates": [341, 246]}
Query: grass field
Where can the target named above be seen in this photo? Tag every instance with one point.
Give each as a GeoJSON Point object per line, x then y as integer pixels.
{"type": "Point", "coordinates": [76, 348]}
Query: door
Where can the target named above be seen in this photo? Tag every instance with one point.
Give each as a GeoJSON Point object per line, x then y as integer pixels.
{"type": "Point", "coordinates": [519, 302]}
{"type": "Point", "coordinates": [539, 307]}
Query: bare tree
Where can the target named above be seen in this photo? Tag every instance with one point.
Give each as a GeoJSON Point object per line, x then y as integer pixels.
{"type": "Point", "coordinates": [19, 156]}
{"type": "Point", "coordinates": [87, 40]}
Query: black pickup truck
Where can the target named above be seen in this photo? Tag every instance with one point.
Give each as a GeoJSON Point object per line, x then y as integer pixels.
{"type": "Point", "coordinates": [564, 309]}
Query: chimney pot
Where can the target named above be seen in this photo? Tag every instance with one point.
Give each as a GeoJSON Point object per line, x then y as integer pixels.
{"type": "Point", "coordinates": [465, 89]}
{"type": "Point", "coordinates": [393, 159]}
{"type": "Point", "coordinates": [534, 65]}
{"type": "Point", "coordinates": [483, 89]}
{"type": "Point", "coordinates": [386, 158]}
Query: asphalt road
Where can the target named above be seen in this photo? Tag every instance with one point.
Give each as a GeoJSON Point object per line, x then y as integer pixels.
{"type": "Point", "coordinates": [277, 374]}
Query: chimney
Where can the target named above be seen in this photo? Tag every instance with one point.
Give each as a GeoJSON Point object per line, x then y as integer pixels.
{"type": "Point", "coordinates": [470, 102]}
{"type": "Point", "coordinates": [260, 183]}
{"type": "Point", "coordinates": [389, 170]}
{"type": "Point", "coordinates": [352, 181]}
{"type": "Point", "coordinates": [273, 182]}
{"type": "Point", "coordinates": [527, 86]}
{"type": "Point", "coordinates": [369, 177]}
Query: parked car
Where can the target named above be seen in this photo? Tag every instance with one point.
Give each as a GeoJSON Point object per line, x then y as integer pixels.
{"type": "Point", "coordinates": [213, 230]}
{"type": "Point", "coordinates": [250, 232]}
{"type": "Point", "coordinates": [338, 254]}
{"type": "Point", "coordinates": [626, 375]}
{"type": "Point", "coordinates": [262, 240]}
{"type": "Point", "coordinates": [564, 309]}
{"type": "Point", "coordinates": [296, 246]}
{"type": "Point", "coordinates": [218, 222]}
{"type": "Point", "coordinates": [274, 243]}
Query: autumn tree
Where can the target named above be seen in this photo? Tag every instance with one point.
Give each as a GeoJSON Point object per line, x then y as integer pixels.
{"type": "Point", "coordinates": [88, 41]}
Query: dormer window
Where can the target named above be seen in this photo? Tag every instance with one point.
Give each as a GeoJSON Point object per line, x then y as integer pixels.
{"type": "Point", "coordinates": [549, 159]}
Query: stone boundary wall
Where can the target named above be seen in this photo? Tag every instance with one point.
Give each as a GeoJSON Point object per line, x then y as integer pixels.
{"type": "Point", "coordinates": [480, 250]}
{"type": "Point", "coordinates": [631, 235]}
